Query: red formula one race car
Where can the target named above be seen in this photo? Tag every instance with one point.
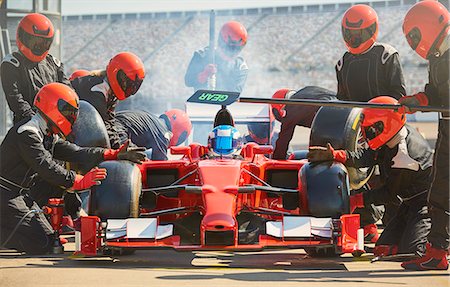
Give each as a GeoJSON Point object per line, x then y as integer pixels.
{"type": "Point", "coordinates": [205, 201]}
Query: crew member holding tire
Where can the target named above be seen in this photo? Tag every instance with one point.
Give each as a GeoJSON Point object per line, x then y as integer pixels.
{"type": "Point", "coordinates": [25, 72]}
{"type": "Point", "coordinates": [291, 116]}
{"type": "Point", "coordinates": [155, 132]}
{"type": "Point", "coordinates": [28, 151]}
{"type": "Point", "coordinates": [405, 161]}
{"type": "Point", "coordinates": [230, 69]}
{"type": "Point", "coordinates": [121, 79]}
{"type": "Point", "coordinates": [426, 28]}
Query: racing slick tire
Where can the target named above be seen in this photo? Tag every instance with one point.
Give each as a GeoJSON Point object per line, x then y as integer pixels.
{"type": "Point", "coordinates": [330, 197]}
{"type": "Point", "coordinates": [320, 252]}
{"type": "Point", "coordinates": [341, 128]}
{"type": "Point", "coordinates": [88, 131]}
{"type": "Point", "coordinates": [118, 194]}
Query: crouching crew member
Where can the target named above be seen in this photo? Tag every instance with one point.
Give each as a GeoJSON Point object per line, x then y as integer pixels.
{"type": "Point", "coordinates": [405, 161]}
{"type": "Point", "coordinates": [121, 79]}
{"type": "Point", "coordinates": [155, 132]}
{"type": "Point", "coordinates": [291, 116]}
{"type": "Point", "coordinates": [28, 151]}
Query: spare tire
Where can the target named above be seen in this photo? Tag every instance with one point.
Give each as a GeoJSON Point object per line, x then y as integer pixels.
{"type": "Point", "coordinates": [118, 195]}
{"type": "Point", "coordinates": [341, 128]}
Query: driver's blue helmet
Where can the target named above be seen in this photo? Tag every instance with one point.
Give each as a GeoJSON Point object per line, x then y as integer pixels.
{"type": "Point", "coordinates": [224, 140]}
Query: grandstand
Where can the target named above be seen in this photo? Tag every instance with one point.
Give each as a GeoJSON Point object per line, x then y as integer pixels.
{"type": "Point", "coordinates": [288, 46]}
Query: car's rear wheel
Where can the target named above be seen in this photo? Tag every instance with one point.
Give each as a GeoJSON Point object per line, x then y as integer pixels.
{"type": "Point", "coordinates": [341, 128]}
{"type": "Point", "coordinates": [118, 195]}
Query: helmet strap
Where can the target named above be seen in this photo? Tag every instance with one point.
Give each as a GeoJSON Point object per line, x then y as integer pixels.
{"type": "Point", "coordinates": [395, 140]}
{"type": "Point", "coordinates": [438, 47]}
{"type": "Point", "coordinates": [445, 45]}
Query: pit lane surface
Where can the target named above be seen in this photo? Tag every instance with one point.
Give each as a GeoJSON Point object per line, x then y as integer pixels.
{"type": "Point", "coordinates": [171, 268]}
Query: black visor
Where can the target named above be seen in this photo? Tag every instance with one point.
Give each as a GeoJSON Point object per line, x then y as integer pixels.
{"type": "Point", "coordinates": [37, 45]}
{"type": "Point", "coordinates": [374, 130]}
{"type": "Point", "coordinates": [68, 111]}
{"type": "Point", "coordinates": [355, 37]}
{"type": "Point", "coordinates": [128, 86]}
{"type": "Point", "coordinates": [413, 37]}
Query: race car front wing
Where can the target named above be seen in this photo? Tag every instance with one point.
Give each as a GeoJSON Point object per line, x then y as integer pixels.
{"type": "Point", "coordinates": [289, 232]}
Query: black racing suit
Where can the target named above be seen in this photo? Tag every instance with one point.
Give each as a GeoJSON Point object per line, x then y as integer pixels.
{"type": "Point", "coordinates": [22, 79]}
{"type": "Point", "coordinates": [405, 164]}
{"type": "Point", "coordinates": [437, 91]}
{"type": "Point", "coordinates": [377, 72]}
{"type": "Point", "coordinates": [146, 130]}
{"type": "Point", "coordinates": [230, 76]}
{"type": "Point", "coordinates": [298, 115]}
{"type": "Point", "coordinates": [28, 152]}
{"type": "Point", "coordinates": [96, 91]}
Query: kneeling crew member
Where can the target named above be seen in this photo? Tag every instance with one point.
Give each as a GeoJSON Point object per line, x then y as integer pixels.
{"type": "Point", "coordinates": [28, 151]}
{"type": "Point", "coordinates": [405, 161]}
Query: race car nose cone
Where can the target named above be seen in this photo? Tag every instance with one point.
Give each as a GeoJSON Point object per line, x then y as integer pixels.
{"type": "Point", "coordinates": [218, 222]}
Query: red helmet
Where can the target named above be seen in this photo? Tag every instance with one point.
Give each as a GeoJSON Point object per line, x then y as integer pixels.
{"type": "Point", "coordinates": [125, 73]}
{"type": "Point", "coordinates": [58, 104]}
{"type": "Point", "coordinates": [379, 125]}
{"type": "Point", "coordinates": [232, 38]}
{"type": "Point", "coordinates": [34, 36]}
{"type": "Point", "coordinates": [78, 74]}
{"type": "Point", "coordinates": [359, 28]}
{"type": "Point", "coordinates": [425, 26]}
{"type": "Point", "coordinates": [279, 109]}
{"type": "Point", "coordinates": [179, 124]}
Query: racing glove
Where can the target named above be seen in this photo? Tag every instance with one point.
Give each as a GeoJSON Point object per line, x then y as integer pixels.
{"type": "Point", "coordinates": [124, 152]}
{"type": "Point", "coordinates": [319, 154]}
{"type": "Point", "coordinates": [93, 177]}
{"type": "Point", "coordinates": [356, 201]}
{"type": "Point", "coordinates": [209, 70]}
{"type": "Point", "coordinates": [419, 99]}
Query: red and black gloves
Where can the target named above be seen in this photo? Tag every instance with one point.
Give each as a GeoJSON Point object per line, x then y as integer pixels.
{"type": "Point", "coordinates": [419, 99]}
{"type": "Point", "coordinates": [133, 154]}
{"type": "Point", "coordinates": [207, 72]}
{"type": "Point", "coordinates": [93, 177]}
{"type": "Point", "coordinates": [319, 154]}
{"type": "Point", "coordinates": [356, 201]}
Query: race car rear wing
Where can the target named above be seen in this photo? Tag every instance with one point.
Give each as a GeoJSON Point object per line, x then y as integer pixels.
{"type": "Point", "coordinates": [225, 98]}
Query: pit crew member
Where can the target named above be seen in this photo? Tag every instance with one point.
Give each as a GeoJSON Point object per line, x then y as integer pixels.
{"type": "Point", "coordinates": [28, 151]}
{"type": "Point", "coordinates": [368, 69]}
{"type": "Point", "coordinates": [382, 75]}
{"type": "Point", "coordinates": [121, 79]}
{"type": "Point", "coordinates": [405, 161]}
{"type": "Point", "coordinates": [155, 132]}
{"type": "Point", "coordinates": [426, 28]}
{"type": "Point", "coordinates": [229, 68]}
{"type": "Point", "coordinates": [26, 71]}
{"type": "Point", "coordinates": [291, 116]}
